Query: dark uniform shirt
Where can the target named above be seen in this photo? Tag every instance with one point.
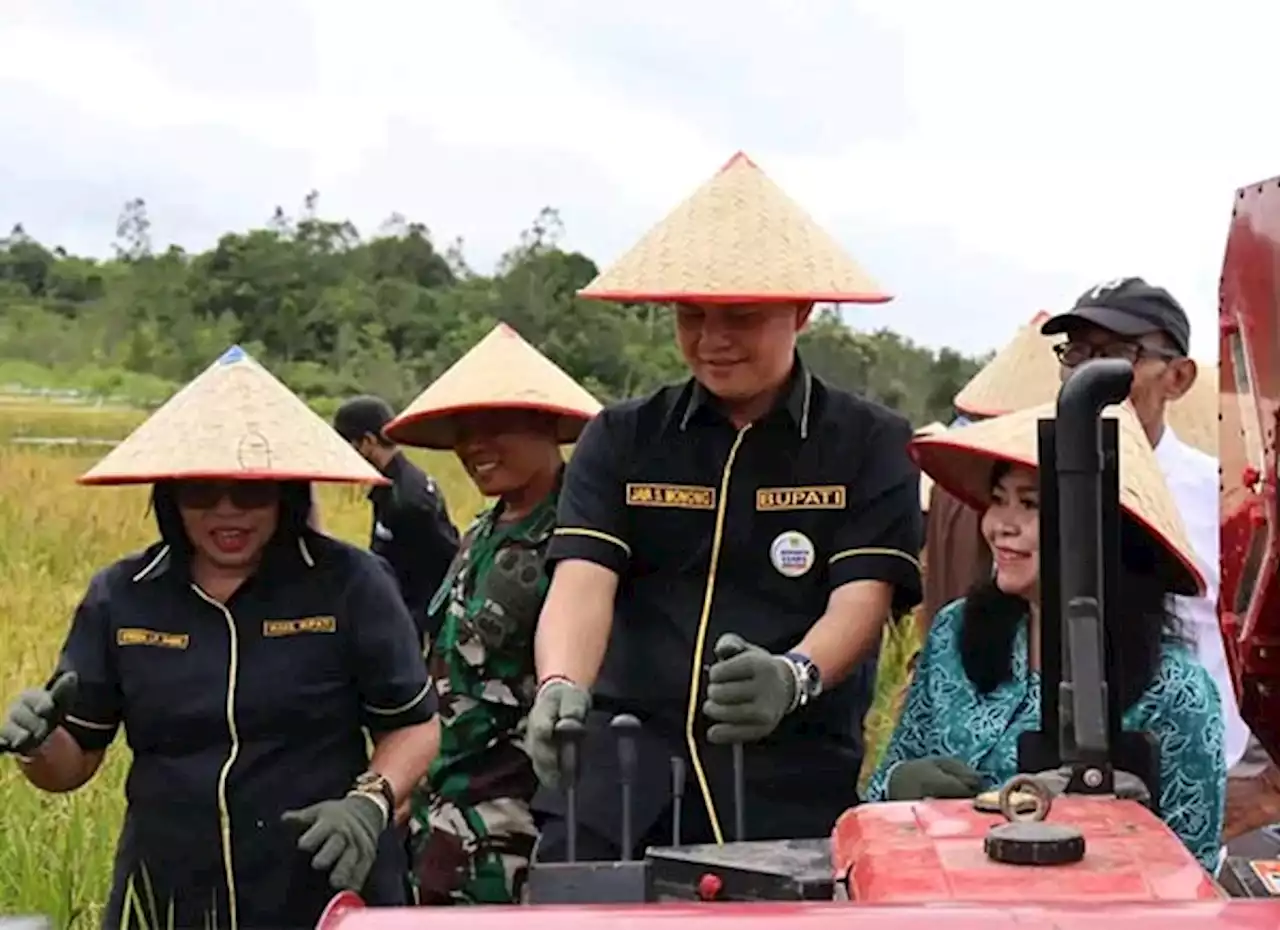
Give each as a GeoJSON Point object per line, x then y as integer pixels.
{"type": "Point", "coordinates": [236, 714]}
{"type": "Point", "coordinates": [713, 530]}
{"type": "Point", "coordinates": [413, 532]}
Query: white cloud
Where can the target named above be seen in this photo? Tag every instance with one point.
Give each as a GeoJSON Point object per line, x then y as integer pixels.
{"type": "Point", "coordinates": [985, 159]}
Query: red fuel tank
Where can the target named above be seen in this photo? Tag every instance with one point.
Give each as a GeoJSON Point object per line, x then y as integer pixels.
{"type": "Point", "coordinates": [917, 852]}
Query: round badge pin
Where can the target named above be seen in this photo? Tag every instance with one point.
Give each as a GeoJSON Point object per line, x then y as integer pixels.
{"type": "Point", "coordinates": [792, 554]}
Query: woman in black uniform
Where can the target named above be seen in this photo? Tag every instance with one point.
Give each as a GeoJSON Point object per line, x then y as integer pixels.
{"type": "Point", "coordinates": [246, 655]}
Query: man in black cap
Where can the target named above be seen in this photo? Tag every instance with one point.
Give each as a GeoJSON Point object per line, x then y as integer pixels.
{"type": "Point", "coordinates": [411, 526]}
{"type": "Point", "coordinates": [1143, 324]}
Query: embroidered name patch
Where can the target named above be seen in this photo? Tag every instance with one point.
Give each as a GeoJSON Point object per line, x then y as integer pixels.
{"type": "Point", "coordinates": [301, 625]}
{"type": "Point", "coordinates": [682, 496]}
{"type": "Point", "coordinates": [818, 497]}
{"type": "Point", "coordinates": [133, 636]}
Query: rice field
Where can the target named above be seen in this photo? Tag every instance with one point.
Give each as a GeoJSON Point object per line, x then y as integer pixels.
{"type": "Point", "coordinates": [56, 851]}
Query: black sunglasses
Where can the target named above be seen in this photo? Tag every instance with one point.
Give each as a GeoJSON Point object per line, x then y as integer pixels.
{"type": "Point", "coordinates": [1072, 354]}
{"type": "Point", "coordinates": [243, 495]}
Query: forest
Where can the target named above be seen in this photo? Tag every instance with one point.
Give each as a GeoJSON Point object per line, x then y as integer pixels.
{"type": "Point", "coordinates": [333, 311]}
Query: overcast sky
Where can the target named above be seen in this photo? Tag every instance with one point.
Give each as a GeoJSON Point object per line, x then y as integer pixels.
{"type": "Point", "coordinates": [982, 159]}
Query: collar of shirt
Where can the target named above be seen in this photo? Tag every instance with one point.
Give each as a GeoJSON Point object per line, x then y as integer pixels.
{"type": "Point", "coordinates": [279, 557]}
{"type": "Point", "coordinates": [795, 402]}
{"type": "Point", "coordinates": [395, 465]}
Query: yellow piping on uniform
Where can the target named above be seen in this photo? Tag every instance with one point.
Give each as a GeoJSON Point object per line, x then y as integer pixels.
{"type": "Point", "coordinates": [717, 537]}
{"type": "Point", "coordinates": [874, 550]}
{"type": "Point", "coordinates": [224, 813]}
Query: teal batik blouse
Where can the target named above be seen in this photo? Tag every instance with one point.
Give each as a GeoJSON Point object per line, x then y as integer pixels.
{"type": "Point", "coordinates": [945, 715]}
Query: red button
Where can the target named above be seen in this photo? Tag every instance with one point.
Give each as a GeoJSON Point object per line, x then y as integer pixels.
{"type": "Point", "coordinates": [709, 887]}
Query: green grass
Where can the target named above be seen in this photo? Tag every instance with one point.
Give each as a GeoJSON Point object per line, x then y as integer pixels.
{"type": "Point", "coordinates": [56, 851]}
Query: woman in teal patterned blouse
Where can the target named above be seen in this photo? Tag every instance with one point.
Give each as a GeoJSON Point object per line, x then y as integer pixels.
{"type": "Point", "coordinates": [977, 683]}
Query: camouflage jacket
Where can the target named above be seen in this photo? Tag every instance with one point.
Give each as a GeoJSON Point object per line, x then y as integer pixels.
{"type": "Point", "coordinates": [482, 657]}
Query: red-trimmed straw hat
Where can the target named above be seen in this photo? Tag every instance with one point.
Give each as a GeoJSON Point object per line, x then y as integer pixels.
{"type": "Point", "coordinates": [738, 239]}
{"type": "Point", "coordinates": [961, 460]}
{"type": "Point", "coordinates": [234, 421]}
{"type": "Point", "coordinates": [500, 372]}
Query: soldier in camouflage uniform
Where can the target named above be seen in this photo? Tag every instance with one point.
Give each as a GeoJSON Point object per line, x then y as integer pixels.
{"type": "Point", "coordinates": [504, 409]}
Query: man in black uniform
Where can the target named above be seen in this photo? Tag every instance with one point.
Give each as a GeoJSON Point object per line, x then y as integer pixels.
{"type": "Point", "coordinates": [411, 525]}
{"type": "Point", "coordinates": [728, 549]}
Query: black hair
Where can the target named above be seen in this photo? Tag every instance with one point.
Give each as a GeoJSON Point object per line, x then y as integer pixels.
{"type": "Point", "coordinates": [295, 511]}
{"type": "Point", "coordinates": [1139, 622]}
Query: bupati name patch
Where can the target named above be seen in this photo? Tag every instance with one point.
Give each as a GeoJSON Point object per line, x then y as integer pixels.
{"type": "Point", "coordinates": [681, 496]}
{"type": "Point", "coordinates": [301, 625]}
{"type": "Point", "coordinates": [134, 636]}
{"type": "Point", "coordinates": [816, 497]}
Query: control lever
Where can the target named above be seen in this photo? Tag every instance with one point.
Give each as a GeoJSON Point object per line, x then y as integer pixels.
{"type": "Point", "coordinates": [739, 792]}
{"type": "Point", "coordinates": [569, 735]}
{"type": "Point", "coordinates": [625, 728]}
{"type": "Point", "coordinates": [677, 797]}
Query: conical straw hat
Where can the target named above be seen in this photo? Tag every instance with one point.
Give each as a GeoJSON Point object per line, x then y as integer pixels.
{"type": "Point", "coordinates": [960, 460]}
{"type": "Point", "coordinates": [1194, 418]}
{"type": "Point", "coordinates": [501, 371]}
{"type": "Point", "coordinates": [926, 483]}
{"type": "Point", "coordinates": [1022, 374]}
{"type": "Point", "coordinates": [738, 239]}
{"type": "Point", "coordinates": [234, 421]}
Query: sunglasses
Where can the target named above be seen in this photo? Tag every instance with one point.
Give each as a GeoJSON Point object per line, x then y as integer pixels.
{"type": "Point", "coordinates": [243, 495]}
{"type": "Point", "coordinates": [1072, 354]}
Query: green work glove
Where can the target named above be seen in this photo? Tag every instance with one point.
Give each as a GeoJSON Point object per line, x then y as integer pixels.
{"type": "Point", "coordinates": [557, 700]}
{"type": "Point", "coordinates": [933, 777]}
{"type": "Point", "coordinates": [750, 691]}
{"type": "Point", "coordinates": [36, 714]}
{"type": "Point", "coordinates": [344, 832]}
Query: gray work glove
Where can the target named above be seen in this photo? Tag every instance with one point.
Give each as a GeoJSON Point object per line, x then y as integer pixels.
{"type": "Point", "coordinates": [932, 777]}
{"type": "Point", "coordinates": [343, 835]}
{"type": "Point", "coordinates": [557, 700]}
{"type": "Point", "coordinates": [36, 714]}
{"type": "Point", "coordinates": [750, 690]}
{"type": "Point", "coordinates": [511, 597]}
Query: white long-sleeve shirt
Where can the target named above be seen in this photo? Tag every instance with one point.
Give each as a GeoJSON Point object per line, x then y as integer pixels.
{"type": "Point", "coordinates": [1192, 476]}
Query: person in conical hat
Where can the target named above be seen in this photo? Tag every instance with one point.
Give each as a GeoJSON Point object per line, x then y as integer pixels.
{"type": "Point", "coordinates": [729, 548]}
{"type": "Point", "coordinates": [505, 410]}
{"type": "Point", "coordinates": [977, 684]}
{"type": "Point", "coordinates": [245, 654]}
{"type": "Point", "coordinates": [1131, 319]}
{"type": "Point", "coordinates": [1024, 373]}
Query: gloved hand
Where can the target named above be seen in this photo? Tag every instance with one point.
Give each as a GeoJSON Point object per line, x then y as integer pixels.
{"type": "Point", "coordinates": [343, 831]}
{"type": "Point", "coordinates": [932, 777]}
{"type": "Point", "coordinates": [36, 714]}
{"type": "Point", "coordinates": [557, 700]}
{"type": "Point", "coordinates": [750, 691]}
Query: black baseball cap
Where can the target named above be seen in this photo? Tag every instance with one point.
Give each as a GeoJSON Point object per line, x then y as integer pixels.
{"type": "Point", "coordinates": [362, 415]}
{"type": "Point", "coordinates": [1129, 307]}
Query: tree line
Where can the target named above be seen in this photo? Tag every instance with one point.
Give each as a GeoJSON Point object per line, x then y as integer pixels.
{"type": "Point", "coordinates": [333, 312]}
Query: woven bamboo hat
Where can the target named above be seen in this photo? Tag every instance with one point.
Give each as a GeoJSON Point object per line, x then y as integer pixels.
{"type": "Point", "coordinates": [1195, 416]}
{"type": "Point", "coordinates": [1022, 374]}
{"type": "Point", "coordinates": [234, 421]}
{"type": "Point", "coordinates": [737, 239]}
{"type": "Point", "coordinates": [960, 460]}
{"type": "Point", "coordinates": [926, 483]}
{"type": "Point", "coordinates": [500, 372]}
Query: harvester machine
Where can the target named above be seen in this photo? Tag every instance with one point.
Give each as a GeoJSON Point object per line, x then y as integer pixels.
{"type": "Point", "coordinates": [1076, 855]}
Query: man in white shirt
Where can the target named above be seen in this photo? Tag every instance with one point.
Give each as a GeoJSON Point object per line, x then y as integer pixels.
{"type": "Point", "coordinates": [1130, 319]}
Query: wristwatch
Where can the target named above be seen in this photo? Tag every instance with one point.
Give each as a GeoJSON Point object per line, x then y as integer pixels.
{"type": "Point", "coordinates": [808, 679]}
{"type": "Point", "coordinates": [376, 784]}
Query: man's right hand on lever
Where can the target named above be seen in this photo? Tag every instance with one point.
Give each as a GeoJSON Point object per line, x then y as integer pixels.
{"type": "Point", "coordinates": [36, 714]}
{"type": "Point", "coordinates": [557, 699]}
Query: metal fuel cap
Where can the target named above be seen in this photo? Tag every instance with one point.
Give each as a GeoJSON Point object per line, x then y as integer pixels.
{"type": "Point", "coordinates": [1026, 839]}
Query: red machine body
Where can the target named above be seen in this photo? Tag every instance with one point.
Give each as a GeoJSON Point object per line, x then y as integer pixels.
{"type": "Point", "coordinates": [914, 865]}
{"type": "Point", "coordinates": [1207, 915]}
{"type": "Point", "coordinates": [918, 852]}
{"type": "Point", "coordinates": [1249, 401]}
